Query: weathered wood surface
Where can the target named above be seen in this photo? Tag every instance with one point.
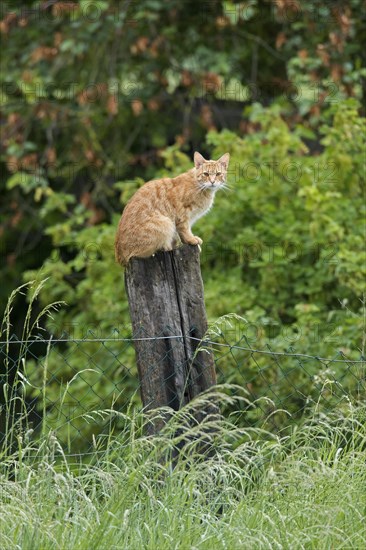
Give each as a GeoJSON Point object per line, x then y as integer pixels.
{"type": "Point", "coordinates": [165, 295]}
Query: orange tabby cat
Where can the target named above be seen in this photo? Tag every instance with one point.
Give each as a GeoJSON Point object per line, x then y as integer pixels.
{"type": "Point", "coordinates": [164, 209]}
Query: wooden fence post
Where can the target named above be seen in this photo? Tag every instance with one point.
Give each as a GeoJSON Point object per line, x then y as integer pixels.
{"type": "Point", "coordinates": [165, 295]}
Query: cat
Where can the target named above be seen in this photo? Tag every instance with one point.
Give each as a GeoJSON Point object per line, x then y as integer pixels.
{"type": "Point", "coordinates": [162, 211]}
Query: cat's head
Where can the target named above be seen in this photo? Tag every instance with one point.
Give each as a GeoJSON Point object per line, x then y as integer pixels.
{"type": "Point", "coordinates": [211, 174]}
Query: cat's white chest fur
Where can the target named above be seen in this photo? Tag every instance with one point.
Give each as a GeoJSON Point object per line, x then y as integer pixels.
{"type": "Point", "coordinates": [201, 210]}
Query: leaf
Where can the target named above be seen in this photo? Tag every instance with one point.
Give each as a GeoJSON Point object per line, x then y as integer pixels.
{"type": "Point", "coordinates": [28, 182]}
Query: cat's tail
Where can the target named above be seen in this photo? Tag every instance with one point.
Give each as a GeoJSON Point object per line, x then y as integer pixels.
{"type": "Point", "coordinates": [121, 258]}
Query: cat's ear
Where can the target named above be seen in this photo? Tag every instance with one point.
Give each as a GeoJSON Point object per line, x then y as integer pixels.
{"type": "Point", "coordinates": [198, 159]}
{"type": "Point", "coordinates": [225, 160]}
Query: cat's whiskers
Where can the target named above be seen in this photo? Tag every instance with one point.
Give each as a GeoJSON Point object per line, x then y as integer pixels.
{"type": "Point", "coordinates": [226, 187]}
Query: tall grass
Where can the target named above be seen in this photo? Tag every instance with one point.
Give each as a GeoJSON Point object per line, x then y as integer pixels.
{"type": "Point", "coordinates": [252, 490]}
{"type": "Point", "coordinates": [13, 381]}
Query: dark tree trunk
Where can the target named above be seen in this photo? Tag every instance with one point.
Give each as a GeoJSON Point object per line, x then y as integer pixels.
{"type": "Point", "coordinates": [165, 295]}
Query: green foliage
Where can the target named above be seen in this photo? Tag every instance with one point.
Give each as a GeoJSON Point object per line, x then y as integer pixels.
{"type": "Point", "coordinates": [98, 97]}
{"type": "Point", "coordinates": [283, 250]}
{"type": "Point", "coordinates": [94, 92]}
{"type": "Point", "coordinates": [294, 232]}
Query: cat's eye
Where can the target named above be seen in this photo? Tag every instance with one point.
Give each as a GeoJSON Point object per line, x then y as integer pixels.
{"type": "Point", "coordinates": [206, 174]}
{"type": "Point", "coordinates": [218, 173]}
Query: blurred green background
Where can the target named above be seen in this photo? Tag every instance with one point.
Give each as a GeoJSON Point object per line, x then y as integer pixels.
{"type": "Point", "coordinates": [97, 97]}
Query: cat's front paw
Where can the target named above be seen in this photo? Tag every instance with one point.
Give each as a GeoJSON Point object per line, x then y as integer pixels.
{"type": "Point", "coordinates": [196, 240]}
